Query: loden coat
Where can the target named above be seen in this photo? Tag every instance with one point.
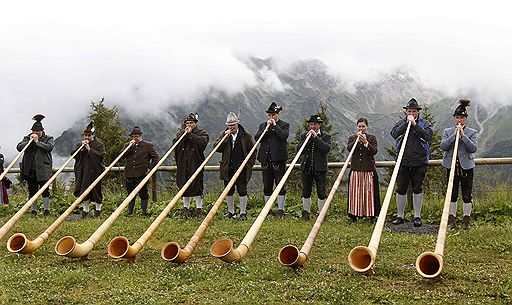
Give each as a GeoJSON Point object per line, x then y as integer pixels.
{"type": "Point", "coordinates": [140, 159]}
{"type": "Point", "coordinates": [226, 149]}
{"type": "Point", "coordinates": [88, 166]}
{"type": "Point", "coordinates": [189, 155]}
{"type": "Point", "coordinates": [37, 155]}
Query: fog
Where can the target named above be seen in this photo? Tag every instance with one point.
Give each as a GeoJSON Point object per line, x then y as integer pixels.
{"type": "Point", "coordinates": [56, 57]}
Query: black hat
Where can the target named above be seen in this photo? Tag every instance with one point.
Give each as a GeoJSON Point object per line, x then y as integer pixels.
{"type": "Point", "coordinates": [37, 126]}
{"type": "Point", "coordinates": [274, 108]}
{"type": "Point", "coordinates": [89, 129]}
{"type": "Point", "coordinates": [461, 109]}
{"type": "Point", "coordinates": [191, 117]}
{"type": "Point", "coordinates": [413, 104]}
{"type": "Point", "coordinates": [135, 131]}
{"type": "Point", "coordinates": [315, 118]}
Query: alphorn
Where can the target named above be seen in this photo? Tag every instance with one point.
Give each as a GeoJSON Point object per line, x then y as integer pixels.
{"type": "Point", "coordinates": [19, 243]}
{"type": "Point", "coordinates": [290, 254]}
{"type": "Point", "coordinates": [120, 247]}
{"type": "Point", "coordinates": [430, 264]}
{"type": "Point", "coordinates": [223, 248]}
{"type": "Point", "coordinates": [8, 225]}
{"type": "Point", "coordinates": [172, 252]}
{"type": "Point", "coordinates": [362, 258]}
{"type": "Point", "coordinates": [67, 246]}
{"type": "Point", "coordinates": [2, 175]}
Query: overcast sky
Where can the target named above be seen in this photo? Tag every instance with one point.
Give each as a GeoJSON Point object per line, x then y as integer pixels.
{"type": "Point", "coordinates": [58, 56]}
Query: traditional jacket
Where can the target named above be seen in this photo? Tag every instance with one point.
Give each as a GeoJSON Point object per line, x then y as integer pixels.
{"type": "Point", "coordinates": [466, 150]}
{"type": "Point", "coordinates": [140, 159]}
{"type": "Point", "coordinates": [37, 159]}
{"type": "Point", "coordinates": [88, 166]}
{"type": "Point", "coordinates": [314, 155]}
{"type": "Point", "coordinates": [417, 148]}
{"type": "Point", "coordinates": [189, 155]}
{"type": "Point", "coordinates": [274, 146]}
{"type": "Point", "coordinates": [245, 142]}
{"type": "Point", "coordinates": [363, 157]}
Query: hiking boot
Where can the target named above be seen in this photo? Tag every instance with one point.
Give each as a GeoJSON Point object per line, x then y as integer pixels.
{"type": "Point", "coordinates": [198, 214]}
{"type": "Point", "coordinates": [230, 215]}
{"type": "Point", "coordinates": [417, 222]}
{"type": "Point", "coordinates": [243, 216]}
{"type": "Point", "coordinates": [280, 214]}
{"type": "Point", "coordinates": [34, 213]}
{"type": "Point", "coordinates": [452, 224]}
{"type": "Point", "coordinates": [305, 215]}
{"type": "Point", "coordinates": [466, 222]}
{"type": "Point", "coordinates": [185, 213]}
{"type": "Point", "coordinates": [97, 213]}
{"type": "Point", "coordinates": [397, 221]}
{"type": "Point", "coordinates": [84, 215]}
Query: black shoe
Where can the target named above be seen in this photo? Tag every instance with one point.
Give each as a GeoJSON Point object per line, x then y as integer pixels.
{"type": "Point", "coordinates": [352, 218]}
{"type": "Point", "coordinates": [34, 213]}
{"type": "Point", "coordinates": [417, 222]}
{"type": "Point", "coordinates": [46, 213]}
{"type": "Point", "coordinates": [243, 216]}
{"type": "Point", "coordinates": [84, 215]}
{"type": "Point", "coordinates": [97, 214]}
{"type": "Point", "coordinates": [230, 215]}
{"type": "Point", "coordinates": [185, 213]}
{"type": "Point", "coordinates": [305, 215]}
{"type": "Point", "coordinates": [466, 222]}
{"type": "Point", "coordinates": [452, 222]}
{"type": "Point", "coordinates": [397, 221]}
{"type": "Point", "coordinates": [198, 214]}
{"type": "Point", "coordinates": [280, 214]}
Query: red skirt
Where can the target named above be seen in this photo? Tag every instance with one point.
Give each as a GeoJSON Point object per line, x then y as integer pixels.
{"type": "Point", "coordinates": [361, 194]}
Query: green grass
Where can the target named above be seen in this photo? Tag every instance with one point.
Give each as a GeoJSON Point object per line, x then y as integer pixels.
{"type": "Point", "coordinates": [478, 266]}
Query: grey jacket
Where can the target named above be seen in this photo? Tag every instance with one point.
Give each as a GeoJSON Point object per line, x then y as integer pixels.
{"type": "Point", "coordinates": [38, 156]}
{"type": "Point", "coordinates": [466, 150]}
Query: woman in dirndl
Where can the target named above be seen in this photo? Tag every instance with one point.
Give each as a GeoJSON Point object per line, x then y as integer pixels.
{"type": "Point", "coordinates": [363, 183]}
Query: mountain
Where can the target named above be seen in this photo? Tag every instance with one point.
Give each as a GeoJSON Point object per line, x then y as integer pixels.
{"type": "Point", "coordinates": [300, 88]}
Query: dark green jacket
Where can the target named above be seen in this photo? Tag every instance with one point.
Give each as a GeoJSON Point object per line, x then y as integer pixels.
{"type": "Point", "coordinates": [37, 156]}
{"type": "Point", "coordinates": [314, 155]}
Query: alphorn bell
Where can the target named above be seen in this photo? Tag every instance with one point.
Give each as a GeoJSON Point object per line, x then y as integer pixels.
{"type": "Point", "coordinates": [223, 248]}
{"type": "Point", "coordinates": [8, 225]}
{"type": "Point", "coordinates": [19, 243]}
{"type": "Point", "coordinates": [362, 258]}
{"type": "Point", "coordinates": [120, 247]}
{"type": "Point", "coordinates": [2, 175]}
{"type": "Point", "coordinates": [290, 255]}
{"type": "Point", "coordinates": [67, 246]}
{"type": "Point", "coordinates": [430, 264]}
{"type": "Point", "coordinates": [172, 252]}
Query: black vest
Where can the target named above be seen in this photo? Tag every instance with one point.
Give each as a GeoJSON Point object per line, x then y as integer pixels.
{"type": "Point", "coordinates": [237, 153]}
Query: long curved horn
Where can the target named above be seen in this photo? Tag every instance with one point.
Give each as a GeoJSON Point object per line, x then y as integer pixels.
{"type": "Point", "coordinates": [430, 264]}
{"type": "Point", "coordinates": [223, 248]}
{"type": "Point", "coordinates": [2, 175]}
{"type": "Point", "coordinates": [67, 246]}
{"type": "Point", "coordinates": [362, 258]}
{"type": "Point", "coordinates": [120, 246]}
{"type": "Point", "coordinates": [172, 252]}
{"type": "Point", "coordinates": [289, 254]}
{"type": "Point", "coordinates": [8, 225]}
{"type": "Point", "coordinates": [19, 243]}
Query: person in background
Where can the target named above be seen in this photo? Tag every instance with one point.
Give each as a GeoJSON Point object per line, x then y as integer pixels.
{"type": "Point", "coordinates": [465, 163]}
{"type": "Point", "coordinates": [363, 181]}
{"type": "Point", "coordinates": [36, 165]}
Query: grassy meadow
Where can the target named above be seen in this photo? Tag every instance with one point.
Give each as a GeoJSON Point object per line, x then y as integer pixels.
{"type": "Point", "coordinates": [478, 263]}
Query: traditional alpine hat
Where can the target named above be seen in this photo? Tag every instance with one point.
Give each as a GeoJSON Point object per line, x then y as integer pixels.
{"type": "Point", "coordinates": [461, 109]}
{"type": "Point", "coordinates": [135, 131]}
{"type": "Point", "coordinates": [89, 129]}
{"type": "Point", "coordinates": [37, 126]}
{"type": "Point", "coordinates": [274, 108]}
{"type": "Point", "coordinates": [232, 119]}
{"type": "Point", "coordinates": [315, 118]}
{"type": "Point", "coordinates": [412, 104]}
{"type": "Point", "coordinates": [191, 117]}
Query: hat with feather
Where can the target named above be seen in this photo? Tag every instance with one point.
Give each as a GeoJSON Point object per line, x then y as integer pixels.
{"type": "Point", "coordinates": [37, 126]}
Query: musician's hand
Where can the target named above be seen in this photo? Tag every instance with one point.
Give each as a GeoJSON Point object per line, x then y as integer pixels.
{"type": "Point", "coordinates": [411, 119]}
{"type": "Point", "coordinates": [362, 138]}
{"type": "Point", "coordinates": [271, 122]}
{"type": "Point", "coordinates": [228, 131]}
{"type": "Point", "coordinates": [35, 137]}
{"type": "Point", "coordinates": [461, 130]}
{"type": "Point", "coordinates": [312, 133]}
{"type": "Point", "coordinates": [132, 141]}
{"type": "Point", "coordinates": [188, 129]}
